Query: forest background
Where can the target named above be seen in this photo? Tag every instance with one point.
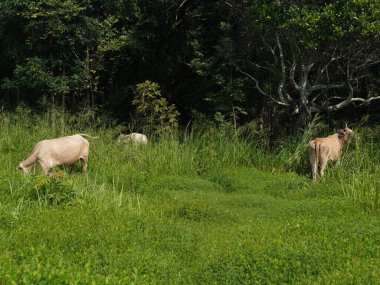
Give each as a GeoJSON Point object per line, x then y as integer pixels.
{"type": "Point", "coordinates": [270, 64]}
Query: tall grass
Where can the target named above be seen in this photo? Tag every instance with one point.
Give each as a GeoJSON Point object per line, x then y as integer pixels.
{"type": "Point", "coordinates": [190, 153]}
{"type": "Point", "coordinates": [295, 151]}
{"type": "Point", "coordinates": [356, 176]}
{"type": "Point", "coordinates": [358, 172]}
{"type": "Point", "coordinates": [196, 207]}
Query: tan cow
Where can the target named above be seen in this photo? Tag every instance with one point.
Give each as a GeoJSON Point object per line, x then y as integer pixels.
{"type": "Point", "coordinates": [59, 151]}
{"type": "Point", "coordinates": [324, 149]}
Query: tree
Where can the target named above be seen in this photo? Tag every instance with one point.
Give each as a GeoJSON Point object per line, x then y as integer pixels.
{"type": "Point", "coordinates": [310, 52]}
{"type": "Point", "coordinates": [150, 105]}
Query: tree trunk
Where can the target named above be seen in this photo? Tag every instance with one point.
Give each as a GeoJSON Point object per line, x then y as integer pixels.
{"type": "Point", "coordinates": [302, 121]}
{"type": "Point", "coordinates": [303, 118]}
{"type": "Point", "coordinates": [234, 119]}
{"type": "Point", "coordinates": [63, 107]}
{"type": "Point", "coordinates": [90, 77]}
{"type": "Point", "coordinates": [17, 96]}
{"type": "Point", "coordinates": [303, 108]}
{"type": "Point", "coordinates": [53, 115]}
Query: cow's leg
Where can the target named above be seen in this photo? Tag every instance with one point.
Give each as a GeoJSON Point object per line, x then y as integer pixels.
{"type": "Point", "coordinates": [84, 161]}
{"type": "Point", "coordinates": [315, 172]}
{"type": "Point", "coordinates": [314, 168]}
{"type": "Point", "coordinates": [323, 165]}
{"type": "Point", "coordinates": [45, 168]}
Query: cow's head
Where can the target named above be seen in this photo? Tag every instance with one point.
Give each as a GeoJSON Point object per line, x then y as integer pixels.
{"type": "Point", "coordinates": [123, 138]}
{"type": "Point", "coordinates": [345, 133]}
{"type": "Point", "coordinates": [24, 169]}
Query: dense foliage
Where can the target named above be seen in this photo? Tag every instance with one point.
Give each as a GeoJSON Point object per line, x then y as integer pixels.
{"type": "Point", "coordinates": [230, 61]}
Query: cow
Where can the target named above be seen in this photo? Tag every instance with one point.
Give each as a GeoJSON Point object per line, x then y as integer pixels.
{"type": "Point", "coordinates": [58, 151]}
{"type": "Point", "coordinates": [135, 138]}
{"type": "Point", "coordinates": [324, 149]}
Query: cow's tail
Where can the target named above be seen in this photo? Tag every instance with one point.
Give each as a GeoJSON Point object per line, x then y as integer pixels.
{"type": "Point", "coordinates": [316, 161]}
{"type": "Point", "coordinates": [88, 136]}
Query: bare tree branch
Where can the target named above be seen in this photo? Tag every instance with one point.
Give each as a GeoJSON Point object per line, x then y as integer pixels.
{"type": "Point", "coordinates": [281, 86]}
{"type": "Point", "coordinates": [345, 102]}
{"type": "Point", "coordinates": [304, 78]}
{"type": "Point", "coordinates": [357, 99]}
{"type": "Point", "coordinates": [365, 101]}
{"type": "Point", "coordinates": [291, 74]}
{"type": "Point", "coordinates": [183, 3]}
{"type": "Point", "coordinates": [258, 86]}
{"type": "Point", "coordinates": [261, 67]}
{"type": "Point", "coordinates": [180, 9]}
{"type": "Point", "coordinates": [324, 86]}
{"type": "Point", "coordinates": [368, 63]}
{"type": "Point", "coordinates": [333, 58]}
{"type": "Point", "coordinates": [272, 50]}
{"type": "Point", "coordinates": [229, 4]}
{"type": "Point", "coordinates": [310, 66]}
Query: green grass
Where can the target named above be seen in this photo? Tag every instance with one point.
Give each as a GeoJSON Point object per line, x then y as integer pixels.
{"type": "Point", "coordinates": [205, 209]}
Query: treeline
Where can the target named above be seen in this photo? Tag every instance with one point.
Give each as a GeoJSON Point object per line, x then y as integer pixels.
{"type": "Point", "coordinates": [276, 63]}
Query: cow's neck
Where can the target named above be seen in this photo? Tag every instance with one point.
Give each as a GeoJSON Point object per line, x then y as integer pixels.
{"type": "Point", "coordinates": [341, 140]}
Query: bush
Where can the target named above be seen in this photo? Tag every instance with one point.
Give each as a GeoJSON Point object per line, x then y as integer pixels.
{"type": "Point", "coordinates": [53, 190]}
{"type": "Point", "coordinates": [151, 105]}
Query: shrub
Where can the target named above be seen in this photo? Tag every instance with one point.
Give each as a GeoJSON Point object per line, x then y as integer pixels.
{"type": "Point", "coordinates": [151, 105]}
{"type": "Point", "coordinates": [53, 190]}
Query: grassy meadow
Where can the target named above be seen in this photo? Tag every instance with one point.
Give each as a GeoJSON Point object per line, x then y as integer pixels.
{"type": "Point", "coordinates": [193, 208]}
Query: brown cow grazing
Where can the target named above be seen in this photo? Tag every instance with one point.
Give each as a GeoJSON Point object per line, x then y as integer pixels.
{"type": "Point", "coordinates": [59, 151]}
{"type": "Point", "coordinates": [324, 149]}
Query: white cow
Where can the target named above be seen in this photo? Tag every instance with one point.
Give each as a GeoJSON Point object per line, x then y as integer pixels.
{"type": "Point", "coordinates": [59, 151]}
{"type": "Point", "coordinates": [324, 149]}
{"type": "Point", "coordinates": [135, 138]}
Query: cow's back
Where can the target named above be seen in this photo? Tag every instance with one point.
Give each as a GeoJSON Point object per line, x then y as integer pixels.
{"type": "Point", "coordinates": [65, 150]}
{"type": "Point", "coordinates": [334, 147]}
{"type": "Point", "coordinates": [139, 138]}
{"type": "Point", "coordinates": [328, 147]}
{"type": "Point", "coordinates": [135, 138]}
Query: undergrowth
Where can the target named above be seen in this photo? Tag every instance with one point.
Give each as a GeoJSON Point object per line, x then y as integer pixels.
{"type": "Point", "coordinates": [194, 153]}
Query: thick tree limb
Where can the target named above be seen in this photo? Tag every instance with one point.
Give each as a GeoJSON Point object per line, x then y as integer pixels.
{"type": "Point", "coordinates": [345, 102]}
{"type": "Point", "coordinates": [365, 101]}
{"type": "Point", "coordinates": [291, 75]}
{"type": "Point", "coordinates": [358, 99]}
{"type": "Point", "coordinates": [281, 86]}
